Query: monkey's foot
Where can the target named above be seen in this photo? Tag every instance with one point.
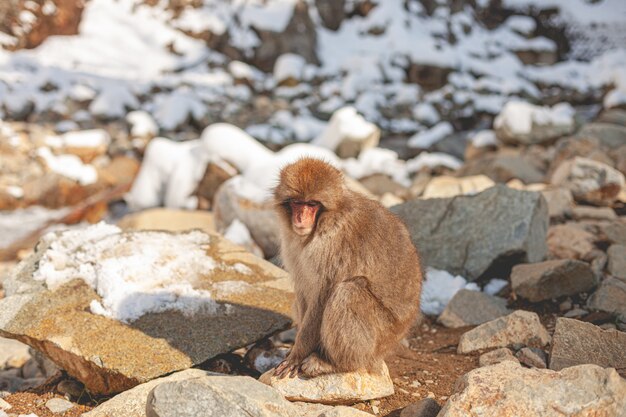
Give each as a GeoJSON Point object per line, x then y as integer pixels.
{"type": "Point", "coordinates": [314, 366]}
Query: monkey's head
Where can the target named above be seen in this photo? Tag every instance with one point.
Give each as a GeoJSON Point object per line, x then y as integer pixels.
{"type": "Point", "coordinates": [308, 190]}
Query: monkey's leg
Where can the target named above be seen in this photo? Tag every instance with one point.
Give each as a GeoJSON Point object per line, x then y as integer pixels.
{"type": "Point", "coordinates": [353, 324]}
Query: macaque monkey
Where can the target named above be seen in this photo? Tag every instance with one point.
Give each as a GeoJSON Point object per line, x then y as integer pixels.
{"type": "Point", "coordinates": [356, 273]}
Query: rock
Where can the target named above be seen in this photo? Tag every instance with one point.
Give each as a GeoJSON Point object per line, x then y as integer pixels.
{"type": "Point", "coordinates": [13, 354]}
{"type": "Point", "coordinates": [590, 181]}
{"type": "Point", "coordinates": [518, 327]}
{"type": "Point", "coordinates": [497, 356]}
{"type": "Point", "coordinates": [507, 389]}
{"type": "Point", "coordinates": [4, 405]}
{"type": "Point", "coordinates": [524, 123]}
{"type": "Point", "coordinates": [339, 411]}
{"type": "Point", "coordinates": [610, 297]}
{"type": "Point", "coordinates": [289, 69]}
{"type": "Point", "coordinates": [593, 213]}
{"type": "Point", "coordinates": [575, 343]}
{"type": "Point", "coordinates": [570, 147]}
{"type": "Point", "coordinates": [615, 232]}
{"type": "Point", "coordinates": [71, 388]}
{"type": "Point", "coordinates": [610, 135]}
{"type": "Point", "coordinates": [332, 12]}
{"type": "Point", "coordinates": [132, 403]}
{"type": "Point", "coordinates": [227, 396]}
{"type": "Point", "coordinates": [567, 241]}
{"type": "Point", "coordinates": [465, 235]}
{"type": "Point", "coordinates": [446, 186]}
{"type": "Point", "coordinates": [469, 308]}
{"type": "Point", "coordinates": [429, 77]}
{"type": "Point", "coordinates": [251, 299]}
{"type": "Point", "coordinates": [215, 175]}
{"type": "Point", "coordinates": [503, 166]}
{"type": "Point", "coordinates": [423, 408]}
{"type": "Point", "coordinates": [259, 218]}
{"type": "Point", "coordinates": [341, 388]}
{"type": "Point", "coordinates": [551, 279]}
{"type": "Point", "coordinates": [617, 261]}
{"type": "Point", "coordinates": [380, 184]}
{"type": "Point", "coordinates": [560, 202]}
{"type": "Point", "coordinates": [172, 220]}
{"type": "Point", "coordinates": [348, 133]}
{"type": "Point", "coordinates": [614, 116]}
{"type": "Point", "coordinates": [58, 405]}
{"type": "Point", "coordinates": [532, 357]}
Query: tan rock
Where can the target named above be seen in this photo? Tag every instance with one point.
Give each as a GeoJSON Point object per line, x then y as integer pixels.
{"type": "Point", "coordinates": [507, 389]}
{"type": "Point", "coordinates": [342, 388]}
{"type": "Point", "coordinates": [610, 297]}
{"type": "Point", "coordinates": [173, 220]}
{"type": "Point", "coordinates": [518, 327]}
{"type": "Point", "coordinates": [446, 186]}
{"type": "Point", "coordinates": [568, 241]}
{"type": "Point", "coordinates": [109, 356]}
{"type": "Point", "coordinates": [496, 356]}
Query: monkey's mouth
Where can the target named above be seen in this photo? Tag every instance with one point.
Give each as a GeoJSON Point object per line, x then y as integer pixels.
{"type": "Point", "coordinates": [302, 231]}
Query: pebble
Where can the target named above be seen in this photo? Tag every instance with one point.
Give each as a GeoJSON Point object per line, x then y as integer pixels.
{"type": "Point", "coordinates": [58, 405]}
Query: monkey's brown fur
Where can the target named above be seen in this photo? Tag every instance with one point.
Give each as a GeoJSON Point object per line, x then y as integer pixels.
{"type": "Point", "coordinates": [357, 274]}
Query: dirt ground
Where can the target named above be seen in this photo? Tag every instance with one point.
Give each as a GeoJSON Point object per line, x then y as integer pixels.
{"type": "Point", "coordinates": [428, 367]}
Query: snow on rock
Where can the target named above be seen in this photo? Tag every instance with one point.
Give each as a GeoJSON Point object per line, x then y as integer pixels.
{"type": "Point", "coordinates": [69, 166]}
{"type": "Point", "coordinates": [233, 145]}
{"type": "Point", "coordinates": [426, 113]}
{"type": "Point", "coordinates": [173, 110]}
{"type": "Point", "coordinates": [377, 160]}
{"type": "Point", "coordinates": [524, 123]}
{"type": "Point", "coordinates": [438, 289]}
{"type": "Point", "coordinates": [347, 129]}
{"type": "Point", "coordinates": [484, 138]}
{"type": "Point", "coordinates": [133, 274]}
{"type": "Point", "coordinates": [142, 125]}
{"type": "Point", "coordinates": [428, 138]}
{"type": "Point", "coordinates": [113, 101]}
{"type": "Point", "coordinates": [495, 285]}
{"type": "Point", "coordinates": [289, 68]}
{"type": "Point", "coordinates": [432, 160]}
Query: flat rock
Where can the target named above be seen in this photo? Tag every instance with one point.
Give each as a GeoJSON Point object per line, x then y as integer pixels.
{"type": "Point", "coordinates": [593, 213]}
{"type": "Point", "coordinates": [518, 327]}
{"type": "Point", "coordinates": [341, 388]}
{"type": "Point", "coordinates": [464, 235]}
{"type": "Point", "coordinates": [132, 403]}
{"type": "Point", "coordinates": [551, 279]}
{"type": "Point", "coordinates": [610, 135]}
{"type": "Point", "coordinates": [169, 219]}
{"type": "Point", "coordinates": [575, 343]}
{"type": "Point", "coordinates": [610, 297]}
{"type": "Point", "coordinates": [507, 389]}
{"type": "Point", "coordinates": [250, 298]}
{"type": "Point", "coordinates": [568, 241]}
{"type": "Point", "coordinates": [589, 181]}
{"type": "Point", "coordinates": [470, 308]}
{"type": "Point", "coordinates": [496, 356]}
{"type": "Point", "coordinates": [58, 405]}
{"type": "Point", "coordinates": [617, 261]}
{"type": "Point", "coordinates": [226, 396]}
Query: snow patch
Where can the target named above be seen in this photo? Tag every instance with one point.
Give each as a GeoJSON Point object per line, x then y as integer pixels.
{"type": "Point", "coordinates": [439, 288]}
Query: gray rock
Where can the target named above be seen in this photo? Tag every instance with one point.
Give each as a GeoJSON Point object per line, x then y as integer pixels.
{"type": "Point", "coordinates": [610, 135]}
{"type": "Point", "coordinates": [615, 232]}
{"type": "Point", "coordinates": [609, 297]}
{"type": "Point", "coordinates": [332, 12]}
{"type": "Point", "coordinates": [496, 356]}
{"type": "Point", "coordinates": [560, 202]}
{"type": "Point", "coordinates": [423, 408]}
{"type": "Point", "coordinates": [507, 389]}
{"type": "Point", "coordinates": [58, 405]}
{"type": "Point", "coordinates": [590, 181]}
{"type": "Point", "coordinates": [340, 388]}
{"type": "Point", "coordinates": [614, 116]}
{"type": "Point", "coordinates": [569, 241]}
{"type": "Point", "coordinates": [575, 342]}
{"type": "Point", "coordinates": [224, 396]}
{"type": "Point", "coordinates": [617, 261]}
{"type": "Point", "coordinates": [466, 234]}
{"type": "Point", "coordinates": [504, 166]}
{"type": "Point", "coordinates": [532, 357]}
{"type": "Point", "coordinates": [518, 327]}
{"type": "Point", "coordinates": [552, 279]}
{"type": "Point", "coordinates": [259, 218]}
{"type": "Point", "coordinates": [470, 308]}
{"type": "Point", "coordinates": [593, 213]}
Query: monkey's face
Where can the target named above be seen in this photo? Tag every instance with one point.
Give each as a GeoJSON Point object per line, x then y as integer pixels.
{"type": "Point", "coordinates": [303, 215]}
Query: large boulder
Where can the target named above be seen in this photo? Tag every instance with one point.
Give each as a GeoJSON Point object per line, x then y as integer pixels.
{"type": "Point", "coordinates": [465, 235]}
{"type": "Point", "coordinates": [552, 279]}
{"type": "Point", "coordinates": [508, 389]}
{"type": "Point", "coordinates": [116, 309]}
{"type": "Point", "coordinates": [575, 343]}
{"type": "Point", "coordinates": [518, 327]}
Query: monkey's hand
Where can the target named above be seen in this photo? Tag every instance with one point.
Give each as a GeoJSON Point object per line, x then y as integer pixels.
{"type": "Point", "coordinates": [289, 367]}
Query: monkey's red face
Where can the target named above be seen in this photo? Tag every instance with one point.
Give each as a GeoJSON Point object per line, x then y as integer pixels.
{"type": "Point", "coordinates": [304, 215]}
